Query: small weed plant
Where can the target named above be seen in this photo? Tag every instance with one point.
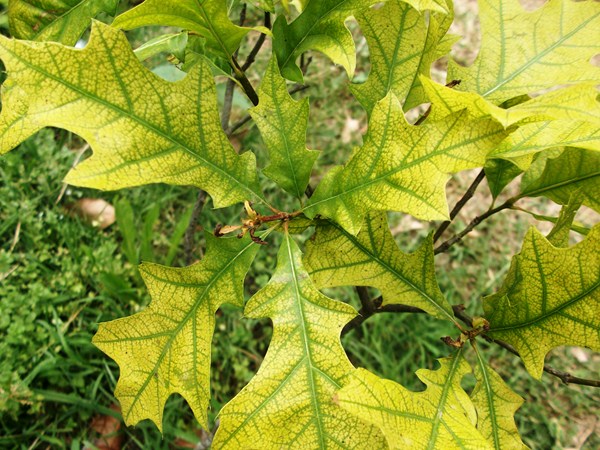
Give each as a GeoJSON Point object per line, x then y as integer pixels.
{"type": "Point", "coordinates": [525, 112]}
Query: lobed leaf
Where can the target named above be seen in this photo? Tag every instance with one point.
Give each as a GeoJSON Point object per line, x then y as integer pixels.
{"type": "Point", "coordinates": [55, 20]}
{"type": "Point", "coordinates": [496, 405]}
{"type": "Point", "coordinates": [141, 128]}
{"type": "Point", "coordinates": [550, 297]}
{"type": "Point", "coordinates": [401, 167]}
{"type": "Point", "coordinates": [441, 417]}
{"type": "Point", "coordinates": [282, 122]}
{"type": "Point", "coordinates": [335, 257]}
{"type": "Point", "coordinates": [574, 170]}
{"type": "Point", "coordinates": [288, 404]}
{"type": "Point", "coordinates": [402, 45]}
{"type": "Point", "coordinates": [320, 27]}
{"type": "Point", "coordinates": [207, 17]}
{"type": "Point", "coordinates": [523, 52]}
{"type": "Point", "coordinates": [165, 349]}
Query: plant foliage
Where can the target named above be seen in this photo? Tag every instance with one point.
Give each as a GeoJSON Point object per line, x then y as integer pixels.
{"type": "Point", "coordinates": [527, 105]}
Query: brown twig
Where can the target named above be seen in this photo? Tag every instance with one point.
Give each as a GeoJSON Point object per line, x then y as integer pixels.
{"type": "Point", "coordinates": [188, 240]}
{"type": "Point", "coordinates": [259, 43]}
{"type": "Point", "coordinates": [460, 204]}
{"type": "Point", "coordinates": [476, 221]}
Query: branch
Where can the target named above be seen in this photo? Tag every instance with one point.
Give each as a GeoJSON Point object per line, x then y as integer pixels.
{"type": "Point", "coordinates": [188, 240]}
{"type": "Point", "coordinates": [259, 43]}
{"type": "Point", "coordinates": [476, 221]}
{"type": "Point", "coordinates": [460, 204]}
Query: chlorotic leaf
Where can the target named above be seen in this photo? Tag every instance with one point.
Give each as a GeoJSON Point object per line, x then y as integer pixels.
{"type": "Point", "coordinates": [440, 6]}
{"type": "Point", "coordinates": [206, 17]}
{"type": "Point", "coordinates": [572, 103]}
{"type": "Point", "coordinates": [402, 45]}
{"type": "Point", "coordinates": [141, 128]}
{"type": "Point", "coordinates": [54, 20]}
{"type": "Point", "coordinates": [165, 349]}
{"type": "Point", "coordinates": [441, 417]}
{"type": "Point", "coordinates": [550, 297]}
{"type": "Point", "coordinates": [523, 52]}
{"type": "Point", "coordinates": [336, 258]}
{"type": "Point", "coordinates": [401, 167]}
{"type": "Point", "coordinates": [282, 122]}
{"type": "Point", "coordinates": [320, 27]}
{"type": "Point", "coordinates": [289, 403]}
{"type": "Point", "coordinates": [495, 404]}
{"type": "Point", "coordinates": [265, 5]}
{"type": "Point", "coordinates": [558, 178]}
{"type": "Point", "coordinates": [173, 43]}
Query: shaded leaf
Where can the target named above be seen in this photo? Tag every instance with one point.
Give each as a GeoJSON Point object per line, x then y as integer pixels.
{"type": "Point", "coordinates": [401, 167]}
{"type": "Point", "coordinates": [165, 349]}
{"type": "Point", "coordinates": [288, 404]}
{"type": "Point", "coordinates": [282, 122]}
{"type": "Point", "coordinates": [207, 17]}
{"type": "Point", "coordinates": [142, 129]}
{"type": "Point", "coordinates": [559, 236]}
{"type": "Point", "coordinates": [523, 52]}
{"type": "Point", "coordinates": [499, 173]}
{"type": "Point", "coordinates": [550, 297]}
{"type": "Point", "coordinates": [402, 45]}
{"type": "Point", "coordinates": [558, 178]}
{"type": "Point", "coordinates": [496, 405]}
{"type": "Point", "coordinates": [335, 257]}
{"type": "Point", "coordinates": [320, 27]}
{"type": "Point", "coordinates": [441, 417]}
{"type": "Point", "coordinates": [54, 20]}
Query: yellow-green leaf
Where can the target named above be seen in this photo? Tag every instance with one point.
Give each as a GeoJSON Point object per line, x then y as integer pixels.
{"type": "Point", "coordinates": [54, 20]}
{"type": "Point", "coordinates": [335, 257]}
{"type": "Point", "coordinates": [523, 52]}
{"type": "Point", "coordinates": [141, 128]}
{"type": "Point", "coordinates": [559, 177]}
{"type": "Point", "coordinates": [320, 27]}
{"type": "Point", "coordinates": [550, 297]}
{"type": "Point", "coordinates": [402, 167]}
{"type": "Point", "coordinates": [495, 404]}
{"type": "Point", "coordinates": [441, 417]}
{"type": "Point", "coordinates": [206, 17]}
{"type": "Point", "coordinates": [572, 103]}
{"type": "Point", "coordinates": [289, 403]}
{"type": "Point", "coordinates": [441, 6]}
{"type": "Point", "coordinates": [282, 122]}
{"type": "Point", "coordinates": [402, 46]}
{"type": "Point", "coordinates": [165, 349]}
{"type": "Point", "coordinates": [564, 223]}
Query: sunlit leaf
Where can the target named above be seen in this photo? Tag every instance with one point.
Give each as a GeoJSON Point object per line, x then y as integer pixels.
{"type": "Point", "coordinates": [402, 45]}
{"type": "Point", "coordinates": [141, 128]}
{"type": "Point", "coordinates": [54, 20]}
{"type": "Point", "coordinates": [441, 417]}
{"type": "Point", "coordinates": [401, 167]}
{"type": "Point", "coordinates": [289, 403]}
{"type": "Point", "coordinates": [523, 52]}
{"type": "Point", "coordinates": [165, 349]}
{"type": "Point", "coordinates": [550, 297]}
{"type": "Point", "coordinates": [335, 257]}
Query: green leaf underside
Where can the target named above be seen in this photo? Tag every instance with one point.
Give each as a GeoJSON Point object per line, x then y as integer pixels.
{"type": "Point", "coordinates": [320, 27]}
{"type": "Point", "coordinates": [289, 403]}
{"type": "Point", "coordinates": [523, 52]}
{"type": "Point", "coordinates": [441, 417]}
{"type": "Point", "coordinates": [401, 46]}
{"type": "Point", "coordinates": [559, 235]}
{"type": "Point", "coordinates": [165, 349]}
{"type": "Point", "coordinates": [172, 43]}
{"type": "Point", "coordinates": [206, 17]}
{"type": "Point", "coordinates": [401, 167]}
{"type": "Point", "coordinates": [54, 20]}
{"type": "Point", "coordinates": [283, 122]}
{"type": "Point", "coordinates": [560, 177]}
{"type": "Point", "coordinates": [335, 257]}
{"type": "Point", "coordinates": [141, 128]}
{"type": "Point", "coordinates": [495, 404]}
{"type": "Point", "coordinates": [550, 297]}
